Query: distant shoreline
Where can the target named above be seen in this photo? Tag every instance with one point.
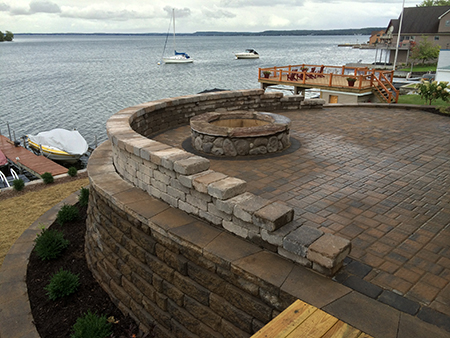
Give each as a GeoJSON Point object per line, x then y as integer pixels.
{"type": "Point", "coordinates": [350, 31]}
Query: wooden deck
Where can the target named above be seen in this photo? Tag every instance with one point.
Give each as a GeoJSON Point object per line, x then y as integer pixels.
{"type": "Point", "coordinates": [23, 158]}
{"type": "Point", "coordinates": [301, 320]}
{"type": "Point", "coordinates": [331, 78]}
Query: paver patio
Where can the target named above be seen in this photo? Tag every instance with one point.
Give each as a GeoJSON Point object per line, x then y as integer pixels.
{"type": "Point", "coordinates": [377, 176]}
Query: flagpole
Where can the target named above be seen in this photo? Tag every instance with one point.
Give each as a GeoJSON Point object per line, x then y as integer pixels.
{"type": "Point", "coordinates": [398, 37]}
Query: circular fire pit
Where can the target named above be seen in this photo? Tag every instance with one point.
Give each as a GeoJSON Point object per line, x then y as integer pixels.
{"type": "Point", "coordinates": [240, 133]}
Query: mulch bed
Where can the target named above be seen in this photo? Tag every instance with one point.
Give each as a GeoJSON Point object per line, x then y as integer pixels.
{"type": "Point", "coordinates": [56, 318]}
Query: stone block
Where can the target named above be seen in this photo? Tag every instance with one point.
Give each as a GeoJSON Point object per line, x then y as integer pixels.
{"type": "Point", "coordinates": [187, 181]}
{"type": "Point", "coordinates": [295, 258]}
{"type": "Point", "coordinates": [227, 188]}
{"type": "Point", "coordinates": [329, 250]}
{"type": "Point", "coordinates": [273, 216]}
{"type": "Point", "coordinates": [165, 156]}
{"type": "Point", "coordinates": [276, 237]}
{"type": "Point", "coordinates": [227, 206]}
{"type": "Point", "coordinates": [191, 165]}
{"type": "Point", "coordinates": [189, 208]}
{"type": "Point", "coordinates": [210, 217]}
{"type": "Point", "coordinates": [201, 183]}
{"type": "Point", "coordinates": [196, 202]}
{"type": "Point", "coordinates": [299, 240]}
{"type": "Point", "coordinates": [245, 209]}
{"type": "Point", "coordinates": [235, 229]}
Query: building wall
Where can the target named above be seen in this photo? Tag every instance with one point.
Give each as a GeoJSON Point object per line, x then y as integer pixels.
{"type": "Point", "coordinates": [444, 24]}
{"type": "Point", "coordinates": [345, 98]}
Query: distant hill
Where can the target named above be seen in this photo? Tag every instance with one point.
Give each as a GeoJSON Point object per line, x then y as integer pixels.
{"type": "Point", "coordinates": [348, 31]}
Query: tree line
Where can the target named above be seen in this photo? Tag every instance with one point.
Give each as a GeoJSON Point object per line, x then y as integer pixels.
{"type": "Point", "coordinates": [7, 36]}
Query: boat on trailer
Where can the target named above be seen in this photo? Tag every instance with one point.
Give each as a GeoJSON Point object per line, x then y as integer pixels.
{"type": "Point", "coordinates": [59, 144]}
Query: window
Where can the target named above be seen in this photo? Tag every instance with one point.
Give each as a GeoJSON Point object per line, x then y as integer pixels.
{"type": "Point", "coordinates": [436, 38]}
{"type": "Point", "coordinates": [447, 23]}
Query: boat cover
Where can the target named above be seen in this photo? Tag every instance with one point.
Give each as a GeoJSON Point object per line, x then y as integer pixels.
{"type": "Point", "coordinates": [182, 54]}
{"type": "Point", "coordinates": [3, 159]}
{"type": "Point", "coordinates": [69, 141]}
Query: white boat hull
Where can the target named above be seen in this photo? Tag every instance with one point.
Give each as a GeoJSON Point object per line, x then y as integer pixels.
{"type": "Point", "coordinates": [175, 59]}
{"type": "Point", "coordinates": [246, 56]}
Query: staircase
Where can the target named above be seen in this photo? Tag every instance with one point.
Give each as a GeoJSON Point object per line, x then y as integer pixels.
{"type": "Point", "coordinates": [383, 88]}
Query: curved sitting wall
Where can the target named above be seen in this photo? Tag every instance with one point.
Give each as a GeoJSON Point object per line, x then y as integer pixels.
{"type": "Point", "coordinates": [163, 229]}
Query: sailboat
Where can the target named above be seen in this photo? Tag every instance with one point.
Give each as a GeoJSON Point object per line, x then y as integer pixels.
{"type": "Point", "coordinates": [179, 57]}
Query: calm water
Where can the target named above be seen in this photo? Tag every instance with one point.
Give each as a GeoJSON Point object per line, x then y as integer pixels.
{"type": "Point", "coordinates": [80, 81]}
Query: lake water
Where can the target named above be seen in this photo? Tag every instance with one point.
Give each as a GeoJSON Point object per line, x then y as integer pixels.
{"type": "Point", "coordinates": [79, 81]}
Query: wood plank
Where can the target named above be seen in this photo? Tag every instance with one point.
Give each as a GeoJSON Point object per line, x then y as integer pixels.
{"type": "Point", "coordinates": [287, 321]}
{"type": "Point", "coordinates": [342, 330]}
{"type": "Point", "coordinates": [315, 325]}
{"type": "Point", "coordinates": [37, 165]}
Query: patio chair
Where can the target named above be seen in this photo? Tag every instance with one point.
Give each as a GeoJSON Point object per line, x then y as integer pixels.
{"type": "Point", "coordinates": [320, 72]}
{"type": "Point", "coordinates": [291, 76]}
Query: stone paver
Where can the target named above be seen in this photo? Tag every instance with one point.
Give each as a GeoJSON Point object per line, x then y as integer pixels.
{"type": "Point", "coordinates": [379, 177]}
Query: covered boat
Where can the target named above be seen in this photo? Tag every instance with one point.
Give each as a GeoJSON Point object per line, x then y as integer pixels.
{"type": "Point", "coordinates": [248, 54]}
{"type": "Point", "coordinates": [59, 144]}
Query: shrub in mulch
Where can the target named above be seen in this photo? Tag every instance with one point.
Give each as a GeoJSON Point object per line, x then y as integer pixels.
{"type": "Point", "coordinates": [56, 318]}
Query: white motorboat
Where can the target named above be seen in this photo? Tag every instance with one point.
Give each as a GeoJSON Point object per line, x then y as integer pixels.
{"type": "Point", "coordinates": [59, 144]}
{"type": "Point", "coordinates": [178, 57]}
{"type": "Point", "coordinates": [248, 54]}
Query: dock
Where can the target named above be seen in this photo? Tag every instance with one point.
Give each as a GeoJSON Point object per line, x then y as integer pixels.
{"type": "Point", "coordinates": [304, 320]}
{"type": "Point", "coordinates": [27, 160]}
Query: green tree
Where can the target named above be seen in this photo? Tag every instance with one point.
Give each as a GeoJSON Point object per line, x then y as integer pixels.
{"type": "Point", "coordinates": [9, 36]}
{"type": "Point", "coordinates": [424, 51]}
{"type": "Point", "coordinates": [428, 3]}
{"type": "Point", "coordinates": [2, 36]}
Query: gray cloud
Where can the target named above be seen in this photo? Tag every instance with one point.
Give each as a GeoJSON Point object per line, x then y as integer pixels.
{"type": "Point", "coordinates": [179, 12]}
{"type": "Point", "coordinates": [34, 7]}
{"type": "Point", "coordinates": [260, 3]}
{"type": "Point", "coordinates": [95, 14]}
{"type": "Point", "coordinates": [4, 7]}
{"type": "Point", "coordinates": [44, 7]}
{"type": "Point", "coordinates": [218, 14]}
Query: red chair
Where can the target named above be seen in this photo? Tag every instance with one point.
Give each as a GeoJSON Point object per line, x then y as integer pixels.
{"type": "Point", "coordinates": [320, 72]}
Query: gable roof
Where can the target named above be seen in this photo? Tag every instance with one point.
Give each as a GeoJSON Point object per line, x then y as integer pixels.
{"type": "Point", "coordinates": [420, 20]}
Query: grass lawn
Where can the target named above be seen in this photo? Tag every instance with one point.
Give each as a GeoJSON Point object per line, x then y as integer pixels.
{"type": "Point", "coordinates": [415, 99]}
{"type": "Point", "coordinates": [421, 68]}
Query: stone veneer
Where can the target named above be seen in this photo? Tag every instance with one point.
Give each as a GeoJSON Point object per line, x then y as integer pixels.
{"type": "Point", "coordinates": [213, 133]}
{"type": "Point", "coordinates": [160, 225]}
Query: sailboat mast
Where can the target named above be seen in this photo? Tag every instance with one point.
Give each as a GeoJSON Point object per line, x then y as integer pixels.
{"type": "Point", "coordinates": [173, 18]}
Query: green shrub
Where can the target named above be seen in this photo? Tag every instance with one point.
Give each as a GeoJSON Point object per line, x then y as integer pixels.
{"type": "Point", "coordinates": [431, 91]}
{"type": "Point", "coordinates": [62, 283]}
{"type": "Point", "coordinates": [72, 172]}
{"type": "Point", "coordinates": [83, 198]}
{"type": "Point", "coordinates": [50, 243]}
{"type": "Point", "coordinates": [47, 177]}
{"type": "Point", "coordinates": [91, 326]}
{"type": "Point", "coordinates": [18, 184]}
{"type": "Point", "coordinates": [67, 213]}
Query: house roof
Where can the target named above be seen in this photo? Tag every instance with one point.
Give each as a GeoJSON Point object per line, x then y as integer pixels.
{"type": "Point", "coordinates": [420, 20]}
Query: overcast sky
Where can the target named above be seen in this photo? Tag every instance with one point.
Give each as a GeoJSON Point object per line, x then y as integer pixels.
{"type": "Point", "coordinates": [145, 16]}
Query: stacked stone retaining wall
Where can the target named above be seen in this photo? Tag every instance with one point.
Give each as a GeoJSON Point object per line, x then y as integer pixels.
{"type": "Point", "coordinates": [175, 243]}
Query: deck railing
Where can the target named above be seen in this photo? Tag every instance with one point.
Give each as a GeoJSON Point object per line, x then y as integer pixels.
{"type": "Point", "coordinates": [334, 76]}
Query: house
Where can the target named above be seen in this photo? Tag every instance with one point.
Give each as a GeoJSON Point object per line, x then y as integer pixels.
{"type": "Point", "coordinates": [443, 66]}
{"type": "Point", "coordinates": [375, 37]}
{"type": "Point", "coordinates": [431, 23]}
